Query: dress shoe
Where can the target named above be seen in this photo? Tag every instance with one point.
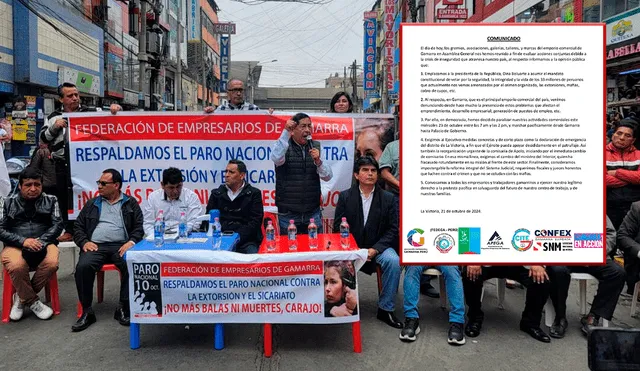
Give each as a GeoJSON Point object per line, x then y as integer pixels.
{"type": "Point", "coordinates": [473, 329]}
{"type": "Point", "coordinates": [86, 320]}
{"type": "Point", "coordinates": [430, 291]}
{"type": "Point", "coordinates": [122, 315]}
{"type": "Point", "coordinates": [588, 322]}
{"type": "Point", "coordinates": [389, 318]}
{"type": "Point", "coordinates": [559, 328]}
{"type": "Point", "coordinates": [536, 333]}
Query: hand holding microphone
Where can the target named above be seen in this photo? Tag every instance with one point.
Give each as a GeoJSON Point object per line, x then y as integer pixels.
{"type": "Point", "coordinates": [314, 152]}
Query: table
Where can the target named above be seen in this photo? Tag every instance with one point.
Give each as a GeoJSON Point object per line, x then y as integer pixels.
{"type": "Point", "coordinates": [326, 242]}
{"type": "Point", "coordinates": [228, 243]}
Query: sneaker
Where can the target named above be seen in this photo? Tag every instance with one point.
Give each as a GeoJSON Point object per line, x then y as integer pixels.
{"type": "Point", "coordinates": [40, 310]}
{"type": "Point", "coordinates": [411, 329]}
{"type": "Point", "coordinates": [456, 334]}
{"type": "Point", "coordinates": [17, 309]}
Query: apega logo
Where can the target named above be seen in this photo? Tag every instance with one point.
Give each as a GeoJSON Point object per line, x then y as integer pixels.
{"type": "Point", "coordinates": [410, 237]}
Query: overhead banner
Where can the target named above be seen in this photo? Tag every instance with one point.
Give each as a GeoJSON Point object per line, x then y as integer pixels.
{"type": "Point", "coordinates": [369, 64]}
{"type": "Point", "coordinates": [198, 286]}
{"type": "Point", "coordinates": [225, 44]}
{"type": "Point", "coordinates": [142, 145]}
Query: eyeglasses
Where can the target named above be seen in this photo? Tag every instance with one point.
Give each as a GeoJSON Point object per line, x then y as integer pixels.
{"type": "Point", "coordinates": [104, 184]}
{"type": "Point", "coordinates": [238, 90]}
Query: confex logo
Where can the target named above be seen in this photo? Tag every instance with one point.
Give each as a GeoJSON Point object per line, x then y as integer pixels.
{"type": "Point", "coordinates": [410, 239]}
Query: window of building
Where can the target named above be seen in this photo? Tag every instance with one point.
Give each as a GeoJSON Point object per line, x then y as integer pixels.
{"type": "Point", "coordinates": [614, 7]}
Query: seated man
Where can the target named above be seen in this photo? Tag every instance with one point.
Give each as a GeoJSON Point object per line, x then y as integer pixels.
{"type": "Point", "coordinates": [610, 276]}
{"type": "Point", "coordinates": [373, 222]}
{"type": "Point", "coordinates": [629, 242]}
{"type": "Point", "coordinates": [107, 226]}
{"type": "Point", "coordinates": [173, 199]}
{"type": "Point", "coordinates": [536, 281]}
{"type": "Point", "coordinates": [240, 206]}
{"type": "Point", "coordinates": [29, 227]}
{"type": "Point", "coordinates": [411, 287]}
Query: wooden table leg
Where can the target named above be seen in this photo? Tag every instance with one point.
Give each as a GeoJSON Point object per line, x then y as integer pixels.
{"type": "Point", "coordinates": [357, 340]}
{"type": "Point", "coordinates": [267, 340]}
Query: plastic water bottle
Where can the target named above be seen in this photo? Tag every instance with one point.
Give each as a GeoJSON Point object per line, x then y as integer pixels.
{"type": "Point", "coordinates": [158, 229]}
{"type": "Point", "coordinates": [212, 216]}
{"type": "Point", "coordinates": [344, 233]}
{"type": "Point", "coordinates": [292, 233]}
{"type": "Point", "coordinates": [313, 235]}
{"type": "Point", "coordinates": [182, 227]}
{"type": "Point", "coordinates": [216, 233]}
{"type": "Point", "coordinates": [271, 237]}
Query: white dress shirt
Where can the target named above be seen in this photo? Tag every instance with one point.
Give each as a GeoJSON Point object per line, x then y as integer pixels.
{"type": "Point", "coordinates": [232, 195]}
{"type": "Point", "coordinates": [187, 202]}
{"type": "Point", "coordinates": [366, 204]}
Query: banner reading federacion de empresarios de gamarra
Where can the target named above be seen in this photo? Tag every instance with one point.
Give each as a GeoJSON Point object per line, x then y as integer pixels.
{"type": "Point", "coordinates": [142, 145]}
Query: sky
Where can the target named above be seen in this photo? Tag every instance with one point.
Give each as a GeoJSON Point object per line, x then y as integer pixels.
{"type": "Point", "coordinates": [309, 42]}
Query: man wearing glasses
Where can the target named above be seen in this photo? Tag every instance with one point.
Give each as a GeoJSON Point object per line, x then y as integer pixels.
{"type": "Point", "coordinates": [107, 226]}
{"type": "Point", "coordinates": [235, 92]}
{"type": "Point", "coordinates": [173, 199]}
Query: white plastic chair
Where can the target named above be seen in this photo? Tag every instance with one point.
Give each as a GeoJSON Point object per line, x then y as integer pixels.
{"type": "Point", "coordinates": [443, 290]}
{"type": "Point", "coordinates": [74, 251]}
{"type": "Point", "coordinates": [582, 279]}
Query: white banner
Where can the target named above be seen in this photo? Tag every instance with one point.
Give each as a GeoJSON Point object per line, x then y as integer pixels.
{"type": "Point", "coordinates": [142, 145]}
{"type": "Point", "coordinates": [201, 286]}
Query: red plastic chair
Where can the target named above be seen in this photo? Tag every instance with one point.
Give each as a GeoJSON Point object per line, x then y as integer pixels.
{"type": "Point", "coordinates": [100, 289]}
{"type": "Point", "coordinates": [51, 292]}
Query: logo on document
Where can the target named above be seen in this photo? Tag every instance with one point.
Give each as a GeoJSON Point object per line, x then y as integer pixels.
{"type": "Point", "coordinates": [468, 240]}
{"type": "Point", "coordinates": [588, 240]}
{"type": "Point", "coordinates": [521, 240]}
{"type": "Point", "coordinates": [495, 242]}
{"type": "Point", "coordinates": [444, 243]}
{"type": "Point", "coordinates": [410, 237]}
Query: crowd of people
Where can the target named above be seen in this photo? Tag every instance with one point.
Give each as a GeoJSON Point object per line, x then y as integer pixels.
{"type": "Point", "coordinates": [32, 222]}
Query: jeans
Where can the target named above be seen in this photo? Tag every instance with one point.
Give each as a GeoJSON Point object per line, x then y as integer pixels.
{"type": "Point", "coordinates": [453, 285]}
{"type": "Point", "coordinates": [390, 264]}
{"type": "Point", "coordinates": [300, 220]}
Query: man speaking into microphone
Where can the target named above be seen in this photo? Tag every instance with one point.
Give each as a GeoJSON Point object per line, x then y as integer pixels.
{"type": "Point", "coordinates": [299, 169]}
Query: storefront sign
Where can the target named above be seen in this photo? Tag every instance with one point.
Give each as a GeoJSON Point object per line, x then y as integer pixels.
{"type": "Point", "coordinates": [452, 13]}
{"type": "Point", "coordinates": [130, 97]}
{"type": "Point", "coordinates": [623, 27]}
{"type": "Point", "coordinates": [631, 48]}
{"type": "Point", "coordinates": [224, 28]}
{"type": "Point", "coordinates": [370, 35]}
{"type": "Point", "coordinates": [85, 82]}
{"type": "Point", "coordinates": [194, 20]}
{"type": "Point", "coordinates": [389, 41]}
{"type": "Point", "coordinates": [225, 45]}
{"type": "Point", "coordinates": [452, 2]}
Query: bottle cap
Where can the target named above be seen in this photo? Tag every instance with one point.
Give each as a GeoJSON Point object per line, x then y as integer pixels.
{"type": "Point", "coordinates": [311, 220]}
{"type": "Point", "coordinates": [344, 219]}
{"type": "Point", "coordinates": [216, 219]}
{"type": "Point", "coordinates": [291, 221]}
{"type": "Point", "coordinates": [269, 222]}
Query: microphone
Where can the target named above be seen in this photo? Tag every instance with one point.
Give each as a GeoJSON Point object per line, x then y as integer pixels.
{"type": "Point", "coordinates": [309, 141]}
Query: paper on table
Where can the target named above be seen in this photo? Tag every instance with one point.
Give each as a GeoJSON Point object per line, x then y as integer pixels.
{"type": "Point", "coordinates": [167, 236]}
{"type": "Point", "coordinates": [192, 240]}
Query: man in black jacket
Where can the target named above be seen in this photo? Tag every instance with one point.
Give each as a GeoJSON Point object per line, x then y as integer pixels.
{"type": "Point", "coordinates": [53, 133]}
{"type": "Point", "coordinates": [240, 206]}
{"type": "Point", "coordinates": [107, 226]}
{"type": "Point", "coordinates": [299, 170]}
{"type": "Point", "coordinates": [629, 242]}
{"type": "Point", "coordinates": [373, 222]}
{"type": "Point", "coordinates": [30, 224]}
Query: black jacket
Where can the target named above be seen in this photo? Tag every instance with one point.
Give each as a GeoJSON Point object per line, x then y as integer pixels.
{"type": "Point", "coordinates": [41, 220]}
{"type": "Point", "coordinates": [89, 216]}
{"type": "Point", "coordinates": [297, 181]}
{"type": "Point", "coordinates": [243, 215]}
{"type": "Point", "coordinates": [381, 230]}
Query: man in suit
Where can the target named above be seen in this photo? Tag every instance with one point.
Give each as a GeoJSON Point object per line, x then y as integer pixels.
{"type": "Point", "coordinates": [373, 220]}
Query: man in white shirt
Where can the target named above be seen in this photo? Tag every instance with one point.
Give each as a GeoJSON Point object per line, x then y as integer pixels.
{"type": "Point", "coordinates": [172, 199]}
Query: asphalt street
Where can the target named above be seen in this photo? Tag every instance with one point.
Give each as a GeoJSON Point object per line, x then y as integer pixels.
{"type": "Point", "coordinates": [32, 344]}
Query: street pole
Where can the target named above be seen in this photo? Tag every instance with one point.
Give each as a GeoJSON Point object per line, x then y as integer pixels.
{"type": "Point", "coordinates": [383, 96]}
{"type": "Point", "coordinates": [178, 82]}
{"type": "Point", "coordinates": [202, 45]}
{"type": "Point", "coordinates": [142, 53]}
